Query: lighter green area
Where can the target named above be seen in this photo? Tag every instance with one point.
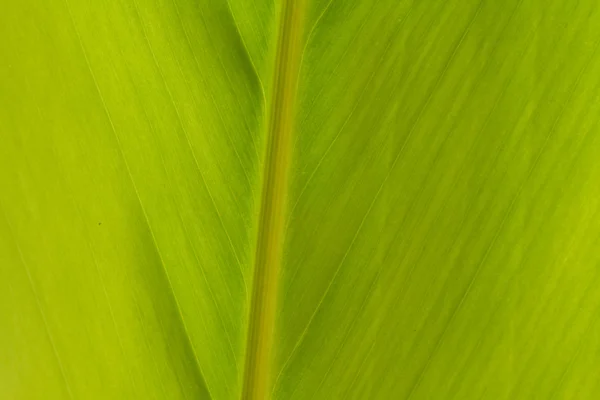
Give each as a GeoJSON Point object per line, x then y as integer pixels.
{"type": "Point", "coordinates": [441, 238]}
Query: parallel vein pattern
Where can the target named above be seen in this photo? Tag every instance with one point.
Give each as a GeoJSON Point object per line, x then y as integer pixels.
{"type": "Point", "coordinates": [300, 199]}
{"type": "Point", "coordinates": [434, 142]}
{"type": "Point", "coordinates": [129, 173]}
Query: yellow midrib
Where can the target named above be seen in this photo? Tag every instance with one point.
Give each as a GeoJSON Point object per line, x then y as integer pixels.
{"type": "Point", "coordinates": [256, 384]}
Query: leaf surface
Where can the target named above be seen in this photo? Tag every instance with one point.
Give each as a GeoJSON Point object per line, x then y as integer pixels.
{"type": "Point", "coordinates": [420, 177]}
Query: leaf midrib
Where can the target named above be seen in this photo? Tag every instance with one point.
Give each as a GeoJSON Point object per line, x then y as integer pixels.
{"type": "Point", "coordinates": [256, 383]}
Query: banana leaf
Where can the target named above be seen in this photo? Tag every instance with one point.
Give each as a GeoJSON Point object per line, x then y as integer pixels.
{"type": "Point", "coordinates": [299, 199]}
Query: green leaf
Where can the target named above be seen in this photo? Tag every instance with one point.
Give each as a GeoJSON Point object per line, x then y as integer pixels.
{"type": "Point", "coordinates": [299, 199]}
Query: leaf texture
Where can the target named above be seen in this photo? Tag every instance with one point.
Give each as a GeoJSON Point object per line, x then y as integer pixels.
{"type": "Point", "coordinates": [437, 208]}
